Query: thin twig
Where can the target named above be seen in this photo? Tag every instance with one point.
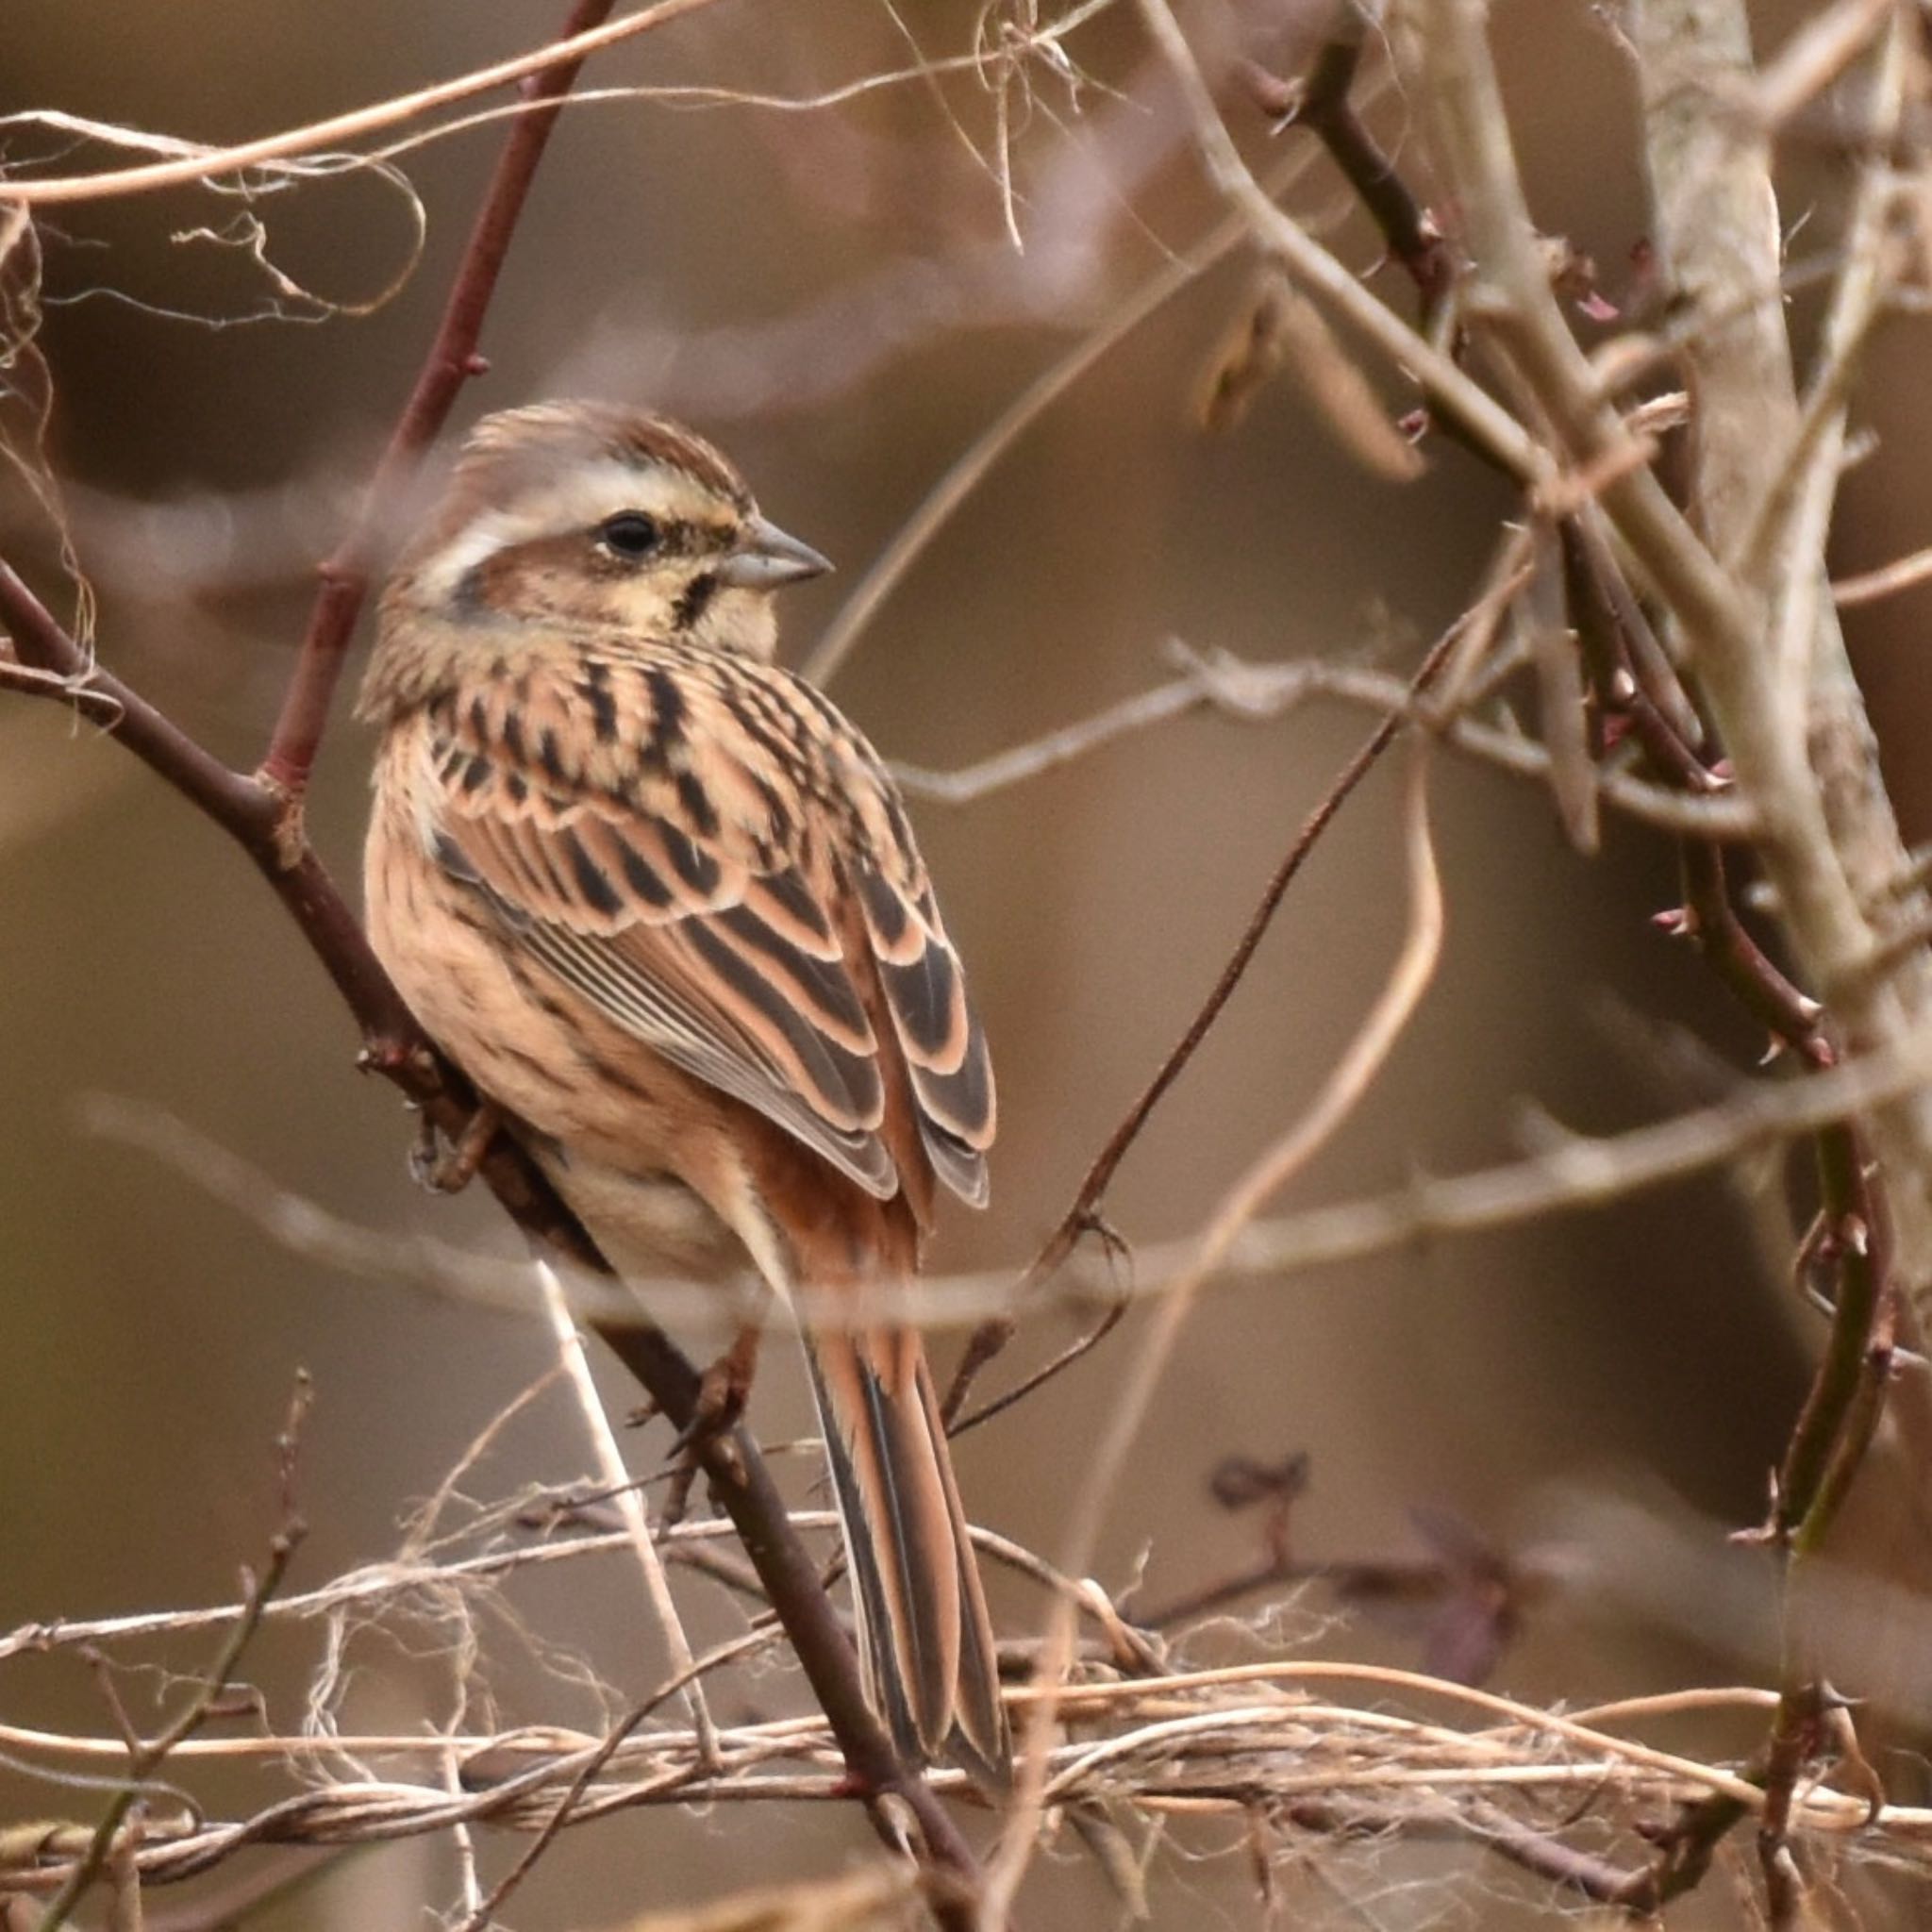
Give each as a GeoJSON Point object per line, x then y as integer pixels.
{"type": "Point", "coordinates": [1903, 573]}
{"type": "Point", "coordinates": [213, 164]}
{"type": "Point", "coordinates": [970, 468]}
{"type": "Point", "coordinates": [1325, 104]}
{"type": "Point", "coordinates": [708, 1758]}
{"type": "Point", "coordinates": [1255, 692]}
{"type": "Point", "coordinates": [1888, 580]}
{"type": "Point", "coordinates": [1502, 438]}
{"type": "Point", "coordinates": [1814, 55]}
{"type": "Point", "coordinates": [78, 693]}
{"type": "Point", "coordinates": [143, 1763]}
{"type": "Point", "coordinates": [1084, 1214]}
{"type": "Point", "coordinates": [1347, 1081]}
{"type": "Point", "coordinates": [625, 1497]}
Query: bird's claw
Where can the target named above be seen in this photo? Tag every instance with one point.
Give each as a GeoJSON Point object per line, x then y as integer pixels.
{"type": "Point", "coordinates": [449, 1168]}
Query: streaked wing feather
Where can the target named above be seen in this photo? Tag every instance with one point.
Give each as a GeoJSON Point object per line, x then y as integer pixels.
{"type": "Point", "coordinates": [706, 1045]}
{"type": "Point", "coordinates": [938, 1031]}
{"type": "Point", "coordinates": [703, 935]}
{"type": "Point", "coordinates": [733, 975]}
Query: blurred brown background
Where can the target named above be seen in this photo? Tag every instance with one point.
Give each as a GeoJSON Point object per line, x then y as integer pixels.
{"type": "Point", "coordinates": [831, 296]}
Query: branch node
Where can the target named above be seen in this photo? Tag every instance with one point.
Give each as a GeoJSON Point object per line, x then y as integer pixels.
{"type": "Point", "coordinates": [397, 1058]}
{"type": "Point", "coordinates": [288, 826]}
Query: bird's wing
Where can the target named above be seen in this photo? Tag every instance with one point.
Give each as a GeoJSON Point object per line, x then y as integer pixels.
{"type": "Point", "coordinates": [653, 837]}
{"type": "Point", "coordinates": [937, 1032]}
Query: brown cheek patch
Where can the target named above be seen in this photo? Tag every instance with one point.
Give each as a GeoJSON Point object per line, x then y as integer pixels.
{"type": "Point", "coordinates": [567, 576]}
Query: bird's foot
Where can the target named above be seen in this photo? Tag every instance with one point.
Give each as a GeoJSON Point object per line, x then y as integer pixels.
{"type": "Point", "coordinates": [449, 1168]}
{"type": "Point", "coordinates": [723, 1391]}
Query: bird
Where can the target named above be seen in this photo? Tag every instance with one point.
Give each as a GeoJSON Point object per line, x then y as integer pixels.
{"type": "Point", "coordinates": [661, 903]}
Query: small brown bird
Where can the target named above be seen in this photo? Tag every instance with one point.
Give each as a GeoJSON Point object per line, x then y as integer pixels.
{"type": "Point", "coordinates": [660, 902]}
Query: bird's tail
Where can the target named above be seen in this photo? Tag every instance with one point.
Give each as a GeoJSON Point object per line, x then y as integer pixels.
{"type": "Point", "coordinates": [924, 1639]}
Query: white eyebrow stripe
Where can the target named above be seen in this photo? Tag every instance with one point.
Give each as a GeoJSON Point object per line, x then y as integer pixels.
{"type": "Point", "coordinates": [578, 498]}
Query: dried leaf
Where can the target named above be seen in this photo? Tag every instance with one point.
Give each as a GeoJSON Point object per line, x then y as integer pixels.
{"type": "Point", "coordinates": [1245, 362]}
{"type": "Point", "coordinates": [1343, 397]}
{"type": "Point", "coordinates": [1282, 329]}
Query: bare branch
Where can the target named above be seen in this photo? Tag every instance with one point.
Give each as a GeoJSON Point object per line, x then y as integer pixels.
{"type": "Point", "coordinates": [451, 362]}
{"type": "Point", "coordinates": [209, 164]}
{"type": "Point", "coordinates": [610, 1465]}
{"type": "Point", "coordinates": [1258, 692]}
{"type": "Point", "coordinates": [1573, 1174]}
{"type": "Point", "coordinates": [1491, 427]}
{"type": "Point", "coordinates": [1289, 1733]}
{"type": "Point", "coordinates": [1084, 1214]}
{"type": "Point", "coordinates": [1887, 581]}
{"type": "Point", "coordinates": [964, 475]}
{"type": "Point", "coordinates": [1814, 57]}
{"type": "Point", "coordinates": [144, 1759]}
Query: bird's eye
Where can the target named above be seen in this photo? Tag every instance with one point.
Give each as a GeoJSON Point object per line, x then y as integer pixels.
{"type": "Point", "coordinates": [629, 534]}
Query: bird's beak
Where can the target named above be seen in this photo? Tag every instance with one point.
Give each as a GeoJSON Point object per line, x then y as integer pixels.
{"type": "Point", "coordinates": [766, 557]}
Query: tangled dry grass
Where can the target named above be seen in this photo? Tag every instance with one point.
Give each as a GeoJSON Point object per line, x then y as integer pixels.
{"type": "Point", "coordinates": [1274, 1750]}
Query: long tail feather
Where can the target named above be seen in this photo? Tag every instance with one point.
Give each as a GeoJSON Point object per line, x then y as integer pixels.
{"type": "Point", "coordinates": [925, 1641]}
{"type": "Point", "coordinates": [979, 1744]}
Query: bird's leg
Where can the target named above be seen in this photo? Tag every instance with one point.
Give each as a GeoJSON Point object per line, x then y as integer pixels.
{"type": "Point", "coordinates": [450, 1169]}
{"type": "Point", "coordinates": [726, 1384]}
{"type": "Point", "coordinates": [721, 1393]}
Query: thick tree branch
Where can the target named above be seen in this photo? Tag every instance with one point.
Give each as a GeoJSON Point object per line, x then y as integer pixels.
{"type": "Point", "coordinates": [1759, 634]}
{"type": "Point", "coordinates": [1820, 886]}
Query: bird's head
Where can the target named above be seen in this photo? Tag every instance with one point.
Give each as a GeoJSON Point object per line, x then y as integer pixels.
{"type": "Point", "coordinates": [594, 514]}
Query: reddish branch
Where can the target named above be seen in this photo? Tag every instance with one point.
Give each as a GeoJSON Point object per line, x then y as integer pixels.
{"type": "Point", "coordinates": [1850, 1242]}
{"type": "Point", "coordinates": [1324, 104]}
{"type": "Point", "coordinates": [452, 361]}
{"type": "Point", "coordinates": [1841, 1412]}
